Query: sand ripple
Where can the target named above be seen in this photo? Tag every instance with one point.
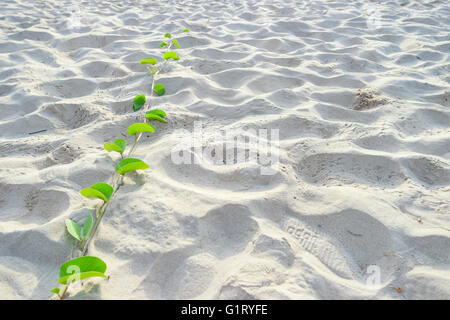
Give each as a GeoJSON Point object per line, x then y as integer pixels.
{"type": "Point", "coordinates": [359, 91]}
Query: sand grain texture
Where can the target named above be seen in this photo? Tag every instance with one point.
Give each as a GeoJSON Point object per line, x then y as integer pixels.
{"type": "Point", "coordinates": [359, 91]}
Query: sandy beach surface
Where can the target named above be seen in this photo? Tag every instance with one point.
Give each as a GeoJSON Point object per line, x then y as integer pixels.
{"type": "Point", "coordinates": [356, 205]}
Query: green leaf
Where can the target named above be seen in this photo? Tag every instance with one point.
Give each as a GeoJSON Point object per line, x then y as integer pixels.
{"type": "Point", "coordinates": [186, 30]}
{"type": "Point", "coordinates": [140, 127]}
{"type": "Point", "coordinates": [102, 191]}
{"type": "Point", "coordinates": [152, 116]}
{"type": "Point", "coordinates": [175, 42]}
{"type": "Point", "coordinates": [149, 61]}
{"type": "Point", "coordinates": [55, 290]}
{"type": "Point", "coordinates": [168, 35]}
{"type": "Point", "coordinates": [130, 164]}
{"type": "Point", "coordinates": [81, 268]}
{"type": "Point", "coordinates": [92, 193]}
{"type": "Point", "coordinates": [163, 44]}
{"type": "Point", "coordinates": [104, 188]}
{"type": "Point", "coordinates": [111, 147]}
{"type": "Point", "coordinates": [118, 146]}
{"type": "Point", "coordinates": [158, 112]}
{"type": "Point", "coordinates": [138, 102]}
{"type": "Point", "coordinates": [159, 88]}
{"type": "Point", "coordinates": [74, 229]}
{"type": "Point", "coordinates": [171, 55]}
{"type": "Point", "coordinates": [121, 143]}
{"type": "Point", "coordinates": [87, 226]}
{"type": "Point", "coordinates": [85, 263]}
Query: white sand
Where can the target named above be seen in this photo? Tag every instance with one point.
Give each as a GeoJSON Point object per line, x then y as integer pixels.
{"type": "Point", "coordinates": [358, 90]}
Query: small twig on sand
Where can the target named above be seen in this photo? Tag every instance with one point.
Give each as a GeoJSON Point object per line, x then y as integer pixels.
{"type": "Point", "coordinates": [39, 131]}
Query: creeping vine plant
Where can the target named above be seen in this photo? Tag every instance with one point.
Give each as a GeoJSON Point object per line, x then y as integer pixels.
{"type": "Point", "coordinates": [83, 266]}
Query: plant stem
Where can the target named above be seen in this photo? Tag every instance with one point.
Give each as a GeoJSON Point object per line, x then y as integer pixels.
{"type": "Point", "coordinates": [64, 290]}
{"type": "Point", "coordinates": [146, 107]}
{"type": "Point", "coordinates": [136, 139]}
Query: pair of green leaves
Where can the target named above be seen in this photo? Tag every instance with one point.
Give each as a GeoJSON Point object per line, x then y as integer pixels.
{"type": "Point", "coordinates": [133, 164]}
{"type": "Point", "coordinates": [153, 62]}
{"type": "Point", "coordinates": [174, 41]}
{"type": "Point", "coordinates": [130, 164]}
{"type": "Point", "coordinates": [140, 99]}
{"type": "Point", "coordinates": [77, 231]}
{"type": "Point", "coordinates": [168, 35]}
{"type": "Point", "coordinates": [119, 146]}
{"type": "Point", "coordinates": [139, 127]}
{"type": "Point", "coordinates": [156, 114]}
{"type": "Point", "coordinates": [102, 191]}
{"type": "Point", "coordinates": [81, 268]}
